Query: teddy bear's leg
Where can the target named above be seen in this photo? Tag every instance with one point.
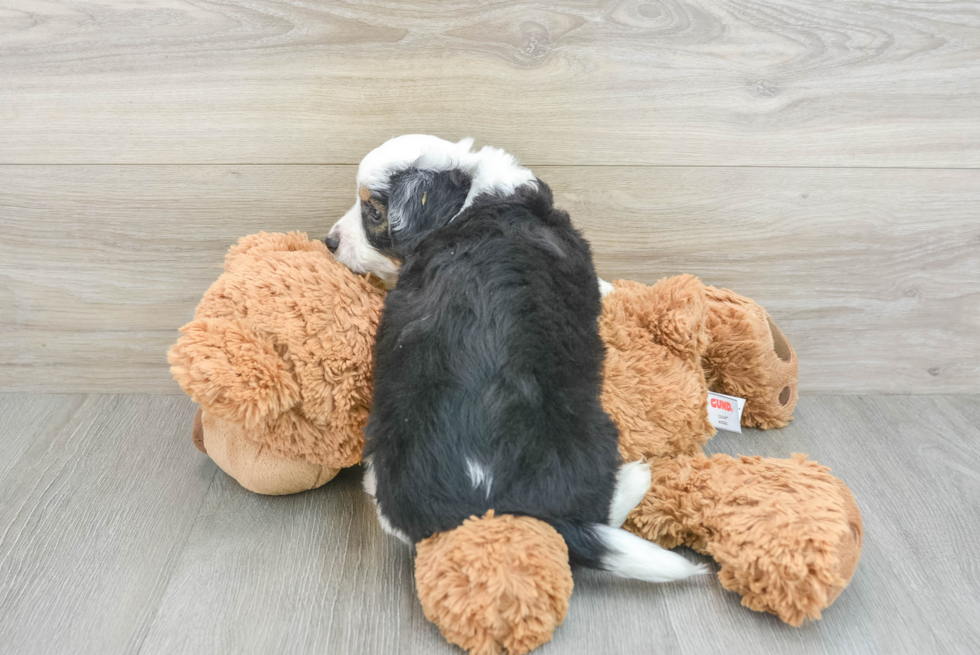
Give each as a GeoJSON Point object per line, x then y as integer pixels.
{"type": "Point", "coordinates": [495, 584]}
{"type": "Point", "coordinates": [254, 466]}
{"type": "Point", "coordinates": [749, 357]}
{"type": "Point", "coordinates": [786, 534]}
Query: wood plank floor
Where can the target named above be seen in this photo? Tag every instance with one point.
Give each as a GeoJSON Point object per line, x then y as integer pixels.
{"type": "Point", "coordinates": [117, 536]}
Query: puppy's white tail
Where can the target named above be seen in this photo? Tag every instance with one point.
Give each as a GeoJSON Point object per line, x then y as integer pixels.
{"type": "Point", "coordinates": [621, 553]}
{"type": "Point", "coordinates": [629, 556]}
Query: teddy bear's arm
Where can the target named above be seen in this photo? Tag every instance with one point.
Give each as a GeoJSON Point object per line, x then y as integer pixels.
{"type": "Point", "coordinates": [749, 357]}
{"type": "Point", "coordinates": [786, 533]}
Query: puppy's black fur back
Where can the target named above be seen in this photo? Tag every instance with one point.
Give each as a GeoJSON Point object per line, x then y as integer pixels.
{"type": "Point", "coordinates": [489, 364]}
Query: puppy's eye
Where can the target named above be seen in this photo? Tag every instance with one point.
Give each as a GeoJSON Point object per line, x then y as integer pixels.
{"type": "Point", "coordinates": [373, 214]}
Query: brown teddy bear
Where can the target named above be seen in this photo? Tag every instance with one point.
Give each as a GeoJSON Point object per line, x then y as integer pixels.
{"type": "Point", "coordinates": [279, 357]}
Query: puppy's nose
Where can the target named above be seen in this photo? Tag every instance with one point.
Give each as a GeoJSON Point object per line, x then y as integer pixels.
{"type": "Point", "coordinates": [332, 244]}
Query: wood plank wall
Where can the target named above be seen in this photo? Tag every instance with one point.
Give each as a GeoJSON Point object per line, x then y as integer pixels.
{"type": "Point", "coordinates": [822, 157]}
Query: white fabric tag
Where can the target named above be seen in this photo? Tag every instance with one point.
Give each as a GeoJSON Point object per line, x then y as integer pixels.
{"type": "Point", "coordinates": [725, 412]}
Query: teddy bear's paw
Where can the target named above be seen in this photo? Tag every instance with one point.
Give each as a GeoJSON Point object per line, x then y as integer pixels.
{"type": "Point", "coordinates": [495, 584]}
{"type": "Point", "coordinates": [748, 356]}
{"type": "Point", "coordinates": [786, 533]}
{"type": "Point", "coordinates": [792, 536]}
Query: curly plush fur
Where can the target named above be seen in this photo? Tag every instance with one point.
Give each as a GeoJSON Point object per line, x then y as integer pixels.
{"type": "Point", "coordinates": [654, 386]}
{"type": "Point", "coordinates": [747, 356]}
{"type": "Point", "coordinates": [282, 345]}
{"type": "Point", "coordinates": [745, 513]}
{"type": "Point", "coordinates": [786, 533]}
{"type": "Point", "coordinates": [496, 583]}
{"type": "Point", "coordinates": [280, 355]}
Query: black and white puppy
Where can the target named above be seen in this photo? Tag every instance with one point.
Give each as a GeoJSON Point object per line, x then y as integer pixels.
{"type": "Point", "coordinates": [488, 358]}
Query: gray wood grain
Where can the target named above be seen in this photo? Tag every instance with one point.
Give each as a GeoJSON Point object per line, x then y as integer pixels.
{"type": "Point", "coordinates": [114, 539]}
{"type": "Point", "coordinates": [912, 464]}
{"type": "Point", "coordinates": [308, 573]}
{"type": "Point", "coordinates": [735, 82]}
{"type": "Point", "coordinates": [872, 274]}
{"type": "Point", "coordinates": [92, 518]}
{"type": "Point", "coordinates": [25, 418]}
{"type": "Point", "coordinates": [99, 266]}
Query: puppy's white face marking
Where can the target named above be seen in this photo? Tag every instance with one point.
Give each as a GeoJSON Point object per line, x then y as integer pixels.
{"type": "Point", "coordinates": [480, 475]}
{"type": "Point", "coordinates": [422, 151]}
{"type": "Point", "coordinates": [490, 170]}
{"type": "Point", "coordinates": [496, 171]}
{"type": "Point", "coordinates": [355, 252]}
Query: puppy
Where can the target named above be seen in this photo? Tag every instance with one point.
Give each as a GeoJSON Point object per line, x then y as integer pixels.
{"type": "Point", "coordinates": [488, 358]}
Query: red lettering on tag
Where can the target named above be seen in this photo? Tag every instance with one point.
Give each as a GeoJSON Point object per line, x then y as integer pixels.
{"type": "Point", "coordinates": [721, 404]}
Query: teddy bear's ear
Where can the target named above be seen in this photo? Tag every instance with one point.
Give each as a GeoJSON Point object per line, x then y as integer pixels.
{"type": "Point", "coordinates": [266, 242]}
{"type": "Point", "coordinates": [232, 372]}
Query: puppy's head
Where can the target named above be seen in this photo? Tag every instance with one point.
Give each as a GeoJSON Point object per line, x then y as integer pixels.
{"type": "Point", "coordinates": [410, 186]}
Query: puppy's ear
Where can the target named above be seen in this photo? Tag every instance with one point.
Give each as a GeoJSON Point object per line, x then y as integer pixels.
{"type": "Point", "coordinates": [420, 201]}
{"type": "Point", "coordinates": [465, 144]}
